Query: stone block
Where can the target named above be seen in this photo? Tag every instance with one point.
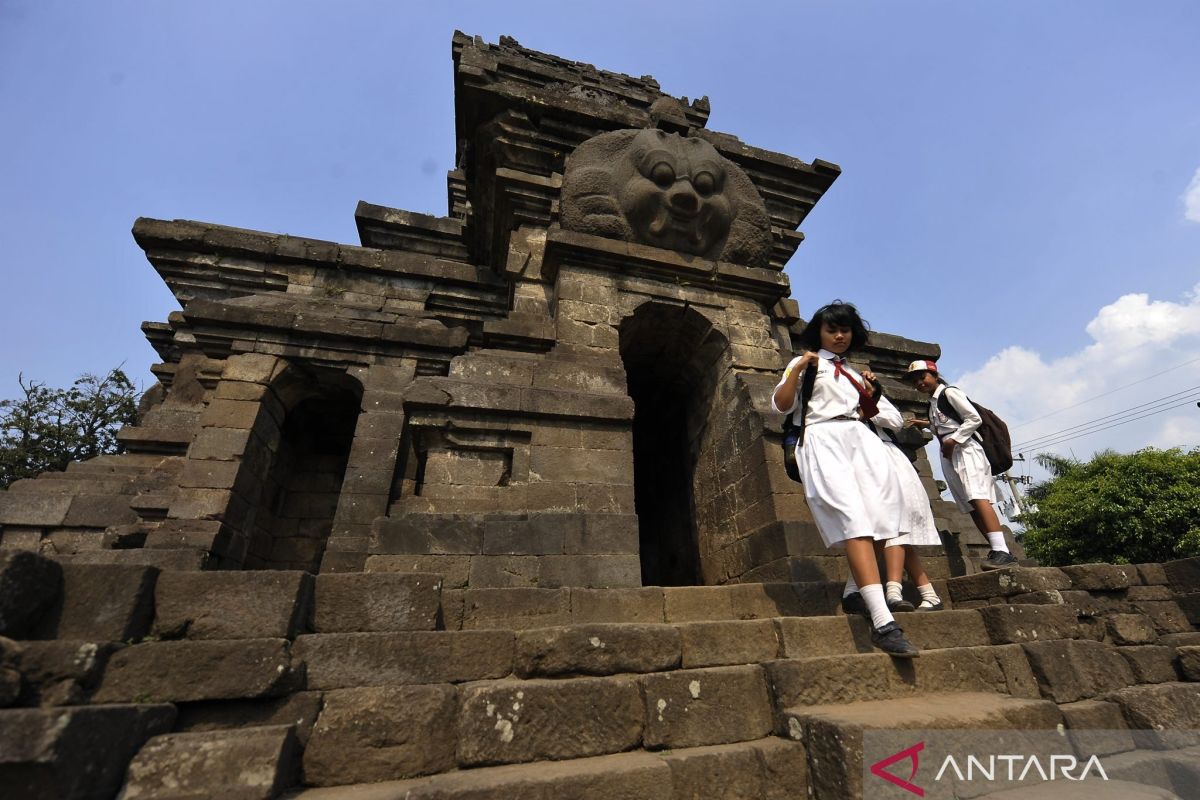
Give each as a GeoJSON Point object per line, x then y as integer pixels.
{"type": "Point", "coordinates": [720, 705]}
{"type": "Point", "coordinates": [1006, 583]}
{"type": "Point", "coordinates": [250, 367]}
{"type": "Point", "coordinates": [731, 772]}
{"type": "Point", "coordinates": [454, 570]}
{"type": "Point", "coordinates": [180, 672]}
{"type": "Point", "coordinates": [504, 572]}
{"type": "Point", "coordinates": [808, 637]}
{"type": "Point", "coordinates": [1167, 617]}
{"type": "Point", "coordinates": [1130, 629]}
{"type": "Point", "coordinates": [1151, 663]}
{"type": "Point", "coordinates": [785, 768]}
{"type": "Point", "coordinates": [101, 602]}
{"type": "Point", "coordinates": [1183, 575]}
{"type": "Point", "coordinates": [1053, 597]}
{"type": "Point", "coordinates": [1152, 574]}
{"type": "Point", "coordinates": [230, 414]}
{"type": "Point", "coordinates": [593, 572]}
{"type": "Point", "coordinates": [1189, 661]}
{"type": "Point", "coordinates": [1017, 624]}
{"type": "Point", "coordinates": [624, 776]}
{"type": "Point", "coordinates": [298, 710]}
{"type": "Point", "coordinates": [258, 604]}
{"type": "Point", "coordinates": [721, 643]}
{"type": "Point", "coordinates": [596, 649]}
{"type": "Point", "coordinates": [438, 534]}
{"type": "Point", "coordinates": [60, 673]}
{"type": "Point", "coordinates": [209, 474]}
{"type": "Point", "coordinates": [1102, 577]}
{"type": "Point", "coordinates": [250, 764]}
{"type": "Point", "coordinates": [1152, 593]}
{"type": "Point", "coordinates": [347, 660]}
{"type": "Point", "coordinates": [37, 510]}
{"type": "Point", "coordinates": [617, 605]}
{"type": "Point", "coordinates": [351, 602]}
{"type": "Point", "coordinates": [1096, 726]}
{"type": "Point", "coordinates": [517, 721]}
{"type": "Point", "coordinates": [1163, 715]}
{"type": "Point", "coordinates": [539, 535]}
{"type": "Point", "coordinates": [698, 603]}
{"type": "Point", "coordinates": [1072, 670]}
{"type": "Point", "coordinates": [382, 733]}
{"type": "Point", "coordinates": [29, 586]}
{"type": "Point", "coordinates": [516, 609]}
{"type": "Point", "coordinates": [603, 534]}
{"type": "Point", "coordinates": [73, 753]}
{"type": "Point", "coordinates": [99, 511]}
{"type": "Point", "coordinates": [219, 444]}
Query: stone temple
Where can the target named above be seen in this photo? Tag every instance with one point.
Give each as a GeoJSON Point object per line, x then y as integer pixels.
{"type": "Point", "coordinates": [493, 505]}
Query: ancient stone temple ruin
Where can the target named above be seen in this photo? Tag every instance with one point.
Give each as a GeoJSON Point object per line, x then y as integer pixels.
{"type": "Point", "coordinates": [493, 505]}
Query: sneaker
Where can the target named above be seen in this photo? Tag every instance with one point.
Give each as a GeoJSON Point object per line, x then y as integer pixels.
{"type": "Point", "coordinates": [927, 606]}
{"type": "Point", "coordinates": [853, 603]}
{"type": "Point", "coordinates": [899, 605]}
{"type": "Point", "coordinates": [998, 560]}
{"type": "Point", "coordinates": [890, 639]}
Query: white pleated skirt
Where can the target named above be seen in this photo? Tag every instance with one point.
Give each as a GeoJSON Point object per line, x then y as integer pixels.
{"type": "Point", "coordinates": [849, 481]}
{"type": "Point", "coordinates": [969, 475]}
{"type": "Point", "coordinates": [916, 518]}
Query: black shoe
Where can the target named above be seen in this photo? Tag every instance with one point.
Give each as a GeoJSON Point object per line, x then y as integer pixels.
{"type": "Point", "coordinates": [998, 560]}
{"type": "Point", "coordinates": [853, 603]}
{"type": "Point", "coordinates": [890, 639]}
{"type": "Point", "coordinates": [938, 606]}
{"type": "Point", "coordinates": [900, 605]}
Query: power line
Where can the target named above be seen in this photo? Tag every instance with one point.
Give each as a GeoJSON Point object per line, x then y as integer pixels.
{"type": "Point", "coordinates": [1187, 402]}
{"type": "Point", "coordinates": [1166, 398]}
{"type": "Point", "coordinates": [1105, 394]}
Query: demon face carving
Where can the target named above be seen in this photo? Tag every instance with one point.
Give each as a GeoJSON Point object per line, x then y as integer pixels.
{"type": "Point", "coordinates": [667, 191]}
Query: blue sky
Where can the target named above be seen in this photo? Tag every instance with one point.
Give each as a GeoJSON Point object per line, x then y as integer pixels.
{"type": "Point", "coordinates": [1014, 174]}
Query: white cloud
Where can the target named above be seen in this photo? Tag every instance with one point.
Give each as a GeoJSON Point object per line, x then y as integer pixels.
{"type": "Point", "coordinates": [1191, 199]}
{"type": "Point", "coordinates": [1133, 338]}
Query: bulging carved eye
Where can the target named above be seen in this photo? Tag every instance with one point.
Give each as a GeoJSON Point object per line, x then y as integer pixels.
{"type": "Point", "coordinates": [663, 174]}
{"type": "Point", "coordinates": [705, 183]}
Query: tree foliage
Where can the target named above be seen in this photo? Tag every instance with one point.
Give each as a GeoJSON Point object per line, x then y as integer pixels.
{"type": "Point", "coordinates": [1117, 508]}
{"type": "Point", "coordinates": [46, 429]}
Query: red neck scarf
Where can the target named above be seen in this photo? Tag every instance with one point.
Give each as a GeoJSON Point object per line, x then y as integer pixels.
{"type": "Point", "coordinates": [867, 407]}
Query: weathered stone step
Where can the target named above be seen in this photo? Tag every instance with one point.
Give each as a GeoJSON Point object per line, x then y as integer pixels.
{"type": "Point", "coordinates": [248, 764]}
{"type": "Point", "coordinates": [833, 733]}
{"type": "Point", "coordinates": [765, 769]}
{"type": "Point", "coordinates": [336, 661]}
{"type": "Point", "coordinates": [73, 753]}
{"type": "Point", "coordinates": [1176, 771]}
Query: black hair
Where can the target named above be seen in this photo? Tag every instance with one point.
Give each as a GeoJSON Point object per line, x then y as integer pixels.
{"type": "Point", "coordinates": [912, 376]}
{"type": "Point", "coordinates": [836, 313]}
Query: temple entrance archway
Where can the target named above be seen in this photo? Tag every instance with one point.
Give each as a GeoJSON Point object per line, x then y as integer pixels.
{"type": "Point", "coordinates": [670, 354]}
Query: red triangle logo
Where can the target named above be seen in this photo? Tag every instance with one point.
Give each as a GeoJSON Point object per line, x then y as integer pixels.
{"type": "Point", "coordinates": [879, 768]}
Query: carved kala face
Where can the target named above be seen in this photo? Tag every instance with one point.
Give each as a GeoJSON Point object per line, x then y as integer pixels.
{"type": "Point", "coordinates": [674, 196]}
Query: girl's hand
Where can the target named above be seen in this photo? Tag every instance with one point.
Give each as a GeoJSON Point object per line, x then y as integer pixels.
{"type": "Point", "coordinates": [868, 375]}
{"type": "Point", "coordinates": [948, 446]}
{"type": "Point", "coordinates": [916, 422]}
{"type": "Point", "coordinates": [808, 357]}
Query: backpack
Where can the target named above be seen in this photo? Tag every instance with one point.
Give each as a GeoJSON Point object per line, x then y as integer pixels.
{"type": "Point", "coordinates": [993, 433]}
{"type": "Point", "coordinates": [793, 434]}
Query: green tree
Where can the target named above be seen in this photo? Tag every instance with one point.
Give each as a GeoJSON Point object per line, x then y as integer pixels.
{"type": "Point", "coordinates": [1117, 508]}
{"type": "Point", "coordinates": [46, 429]}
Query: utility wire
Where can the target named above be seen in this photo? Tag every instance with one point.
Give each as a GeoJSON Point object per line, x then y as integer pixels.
{"type": "Point", "coordinates": [1043, 445]}
{"type": "Point", "coordinates": [1166, 398]}
{"type": "Point", "coordinates": [1105, 394]}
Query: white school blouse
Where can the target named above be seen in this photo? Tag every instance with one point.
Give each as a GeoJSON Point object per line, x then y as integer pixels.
{"type": "Point", "coordinates": [947, 427]}
{"type": "Point", "coordinates": [830, 398]}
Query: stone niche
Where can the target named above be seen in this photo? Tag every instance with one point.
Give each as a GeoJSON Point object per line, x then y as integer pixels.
{"type": "Point", "coordinates": [562, 382]}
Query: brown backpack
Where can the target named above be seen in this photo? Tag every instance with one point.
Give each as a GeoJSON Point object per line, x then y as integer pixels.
{"type": "Point", "coordinates": [993, 433]}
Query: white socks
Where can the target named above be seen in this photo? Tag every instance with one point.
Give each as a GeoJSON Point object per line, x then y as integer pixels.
{"type": "Point", "coordinates": [996, 540]}
{"type": "Point", "coordinates": [894, 593]}
{"type": "Point", "coordinates": [851, 587]}
{"type": "Point", "coordinates": [877, 605]}
{"type": "Point", "coordinates": [929, 598]}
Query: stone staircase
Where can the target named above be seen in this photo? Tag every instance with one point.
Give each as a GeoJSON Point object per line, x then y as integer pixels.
{"type": "Point", "coordinates": [124, 680]}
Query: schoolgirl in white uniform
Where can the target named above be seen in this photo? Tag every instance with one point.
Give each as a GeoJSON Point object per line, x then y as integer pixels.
{"type": "Point", "coordinates": [917, 527]}
{"type": "Point", "coordinates": [964, 465]}
{"type": "Point", "coordinates": [852, 488]}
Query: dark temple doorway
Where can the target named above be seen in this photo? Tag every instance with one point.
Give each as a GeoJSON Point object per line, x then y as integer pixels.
{"type": "Point", "coordinates": [667, 351]}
